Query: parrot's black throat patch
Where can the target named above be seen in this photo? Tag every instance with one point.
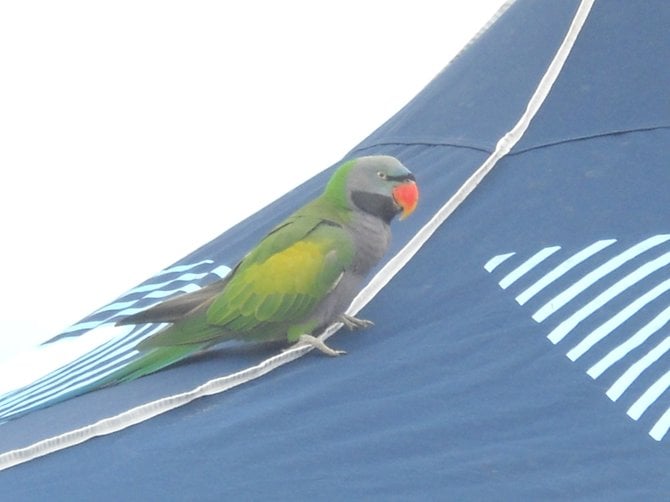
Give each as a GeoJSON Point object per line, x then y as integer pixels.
{"type": "Point", "coordinates": [382, 206]}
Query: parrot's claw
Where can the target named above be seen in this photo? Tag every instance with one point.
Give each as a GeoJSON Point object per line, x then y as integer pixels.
{"type": "Point", "coordinates": [318, 344]}
{"type": "Point", "coordinates": [353, 323]}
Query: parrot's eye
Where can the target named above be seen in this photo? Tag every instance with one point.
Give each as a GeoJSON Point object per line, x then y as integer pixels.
{"type": "Point", "coordinates": [382, 175]}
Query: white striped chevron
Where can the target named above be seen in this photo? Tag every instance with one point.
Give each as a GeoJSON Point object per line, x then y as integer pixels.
{"type": "Point", "coordinates": [608, 271]}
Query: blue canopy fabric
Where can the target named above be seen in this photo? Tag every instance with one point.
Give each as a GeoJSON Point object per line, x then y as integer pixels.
{"type": "Point", "coordinates": [521, 353]}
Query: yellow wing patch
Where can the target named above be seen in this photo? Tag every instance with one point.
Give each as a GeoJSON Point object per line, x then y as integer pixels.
{"type": "Point", "coordinates": [288, 271]}
{"type": "Point", "coordinates": [284, 288]}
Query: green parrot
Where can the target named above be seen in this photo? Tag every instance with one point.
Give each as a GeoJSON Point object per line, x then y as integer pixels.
{"type": "Point", "coordinates": [299, 279]}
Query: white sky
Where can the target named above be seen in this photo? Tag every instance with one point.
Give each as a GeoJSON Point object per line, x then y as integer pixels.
{"type": "Point", "coordinates": [133, 132]}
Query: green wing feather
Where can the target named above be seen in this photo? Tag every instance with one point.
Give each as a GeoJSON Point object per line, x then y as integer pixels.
{"type": "Point", "coordinates": [276, 286]}
{"type": "Point", "coordinates": [283, 283]}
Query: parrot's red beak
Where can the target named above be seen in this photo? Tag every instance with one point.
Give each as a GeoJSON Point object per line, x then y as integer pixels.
{"type": "Point", "coordinates": [406, 195]}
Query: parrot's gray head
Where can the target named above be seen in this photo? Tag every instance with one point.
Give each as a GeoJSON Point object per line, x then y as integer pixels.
{"type": "Point", "coordinates": [382, 186]}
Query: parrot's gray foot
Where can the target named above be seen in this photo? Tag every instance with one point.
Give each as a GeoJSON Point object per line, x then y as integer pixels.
{"type": "Point", "coordinates": [353, 323]}
{"type": "Point", "coordinates": [318, 344]}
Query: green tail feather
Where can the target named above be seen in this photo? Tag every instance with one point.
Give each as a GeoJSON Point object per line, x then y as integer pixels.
{"type": "Point", "coordinates": [151, 360]}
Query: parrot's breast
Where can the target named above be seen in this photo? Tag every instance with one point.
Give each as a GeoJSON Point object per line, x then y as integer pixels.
{"type": "Point", "coordinates": [371, 237]}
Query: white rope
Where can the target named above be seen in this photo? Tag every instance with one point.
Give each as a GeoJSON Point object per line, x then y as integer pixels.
{"type": "Point", "coordinates": [394, 265]}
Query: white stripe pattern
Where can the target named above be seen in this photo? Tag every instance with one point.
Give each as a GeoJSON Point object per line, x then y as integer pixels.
{"type": "Point", "coordinates": [493, 263]}
{"type": "Point", "coordinates": [636, 369]}
{"type": "Point", "coordinates": [74, 376]}
{"type": "Point", "coordinates": [660, 428]}
{"type": "Point", "coordinates": [649, 396]}
{"type": "Point", "coordinates": [560, 331]}
{"type": "Point", "coordinates": [527, 266]}
{"type": "Point", "coordinates": [575, 312]}
{"type": "Point", "coordinates": [562, 269]}
{"type": "Point", "coordinates": [605, 329]}
{"type": "Point", "coordinates": [589, 279]}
